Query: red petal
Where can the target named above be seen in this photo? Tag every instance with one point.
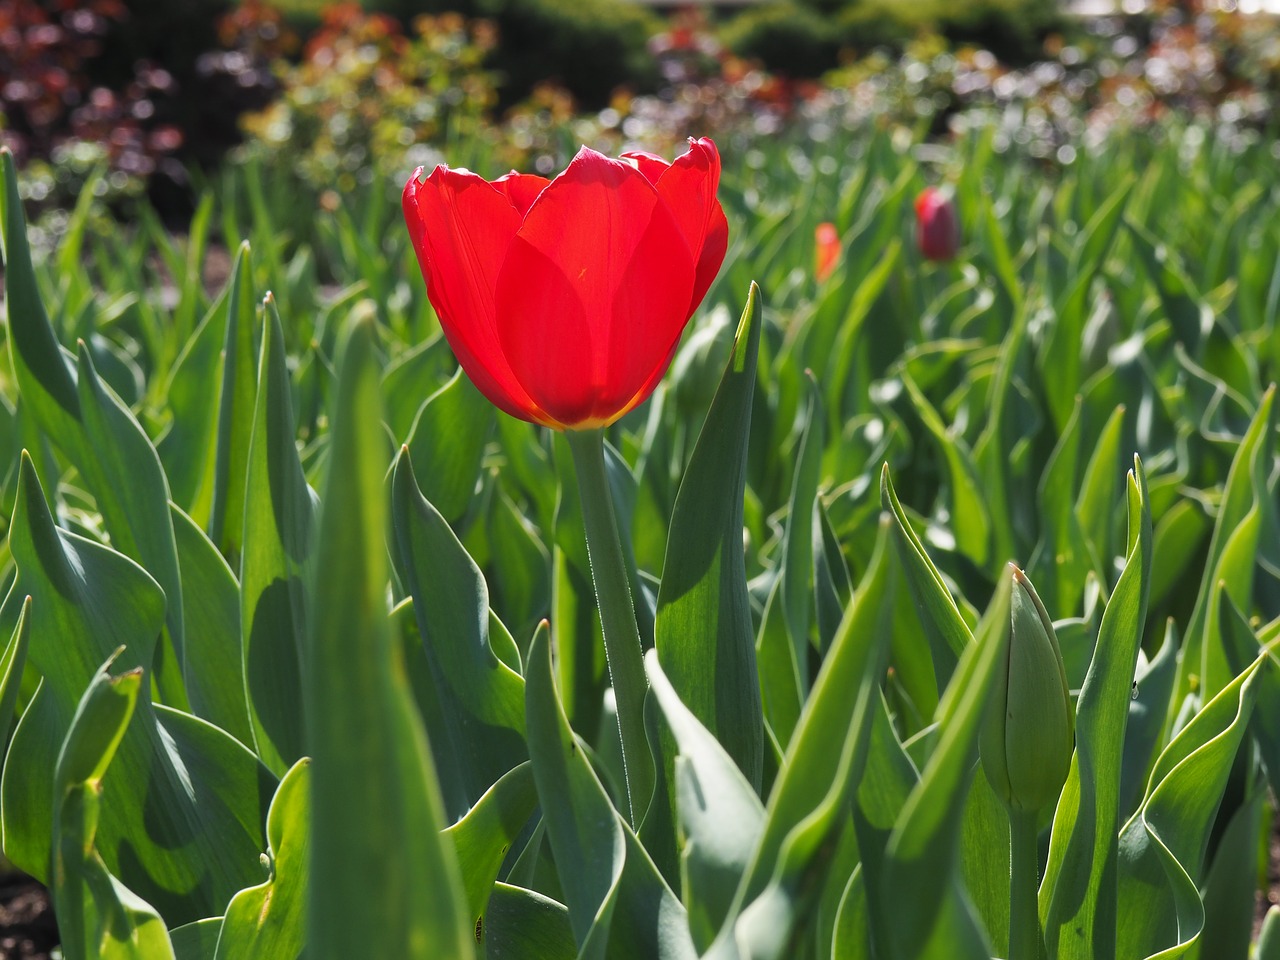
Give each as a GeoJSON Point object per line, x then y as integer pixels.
{"type": "Point", "coordinates": [594, 292]}
{"type": "Point", "coordinates": [461, 227]}
{"type": "Point", "coordinates": [521, 189]}
{"type": "Point", "coordinates": [689, 188]}
{"type": "Point", "coordinates": [650, 164]}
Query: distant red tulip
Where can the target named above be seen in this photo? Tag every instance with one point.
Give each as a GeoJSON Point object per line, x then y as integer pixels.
{"type": "Point", "coordinates": [827, 250]}
{"type": "Point", "coordinates": [565, 299]}
{"type": "Point", "coordinates": [937, 228]}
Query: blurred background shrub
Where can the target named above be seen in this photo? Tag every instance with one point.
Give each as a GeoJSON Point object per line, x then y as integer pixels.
{"type": "Point", "coordinates": [155, 92]}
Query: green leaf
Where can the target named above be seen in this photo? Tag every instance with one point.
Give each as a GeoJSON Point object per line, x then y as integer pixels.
{"type": "Point", "coordinates": [196, 940]}
{"type": "Point", "coordinates": [833, 585]}
{"type": "Point", "coordinates": [970, 518]}
{"type": "Point", "coordinates": [277, 544]}
{"type": "Point", "coordinates": [484, 836]}
{"type": "Point", "coordinates": [807, 806]}
{"type": "Point", "coordinates": [269, 920]}
{"type": "Point", "coordinates": [181, 821]}
{"type": "Point", "coordinates": [1162, 847]}
{"type": "Point", "coordinates": [887, 782]}
{"type": "Point", "coordinates": [215, 672]}
{"type": "Point", "coordinates": [524, 924]}
{"type": "Point", "coordinates": [235, 411]}
{"type": "Point", "coordinates": [780, 695]}
{"type": "Point", "coordinates": [704, 633]}
{"type": "Point", "coordinates": [721, 817]}
{"type": "Point", "coordinates": [949, 635]}
{"type": "Point", "coordinates": [1229, 891]}
{"type": "Point", "coordinates": [13, 660]}
{"type": "Point", "coordinates": [383, 882]}
{"type": "Point", "coordinates": [1268, 947]}
{"type": "Point", "coordinates": [619, 905]}
{"type": "Point", "coordinates": [39, 365]}
{"type": "Point", "coordinates": [1232, 557]}
{"type": "Point", "coordinates": [97, 432]}
{"type": "Point", "coordinates": [1094, 506]}
{"type": "Point", "coordinates": [1147, 710]}
{"type": "Point", "coordinates": [1078, 895]}
{"type": "Point", "coordinates": [1242, 647]}
{"type": "Point", "coordinates": [446, 444]}
{"type": "Point", "coordinates": [797, 552]}
{"type": "Point", "coordinates": [481, 698]}
{"type": "Point", "coordinates": [188, 448]}
{"type": "Point", "coordinates": [98, 917]}
{"type": "Point", "coordinates": [923, 850]}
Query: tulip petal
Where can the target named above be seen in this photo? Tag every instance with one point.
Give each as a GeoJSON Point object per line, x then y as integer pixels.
{"type": "Point", "coordinates": [650, 164]}
{"type": "Point", "coordinates": [521, 189]}
{"type": "Point", "coordinates": [688, 187]}
{"type": "Point", "coordinates": [594, 292]}
{"type": "Point", "coordinates": [461, 227]}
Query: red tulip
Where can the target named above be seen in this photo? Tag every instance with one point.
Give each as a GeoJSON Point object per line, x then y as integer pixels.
{"type": "Point", "coordinates": [937, 228]}
{"type": "Point", "coordinates": [827, 251]}
{"type": "Point", "coordinates": [564, 300]}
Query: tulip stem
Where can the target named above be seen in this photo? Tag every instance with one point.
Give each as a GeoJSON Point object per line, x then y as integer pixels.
{"type": "Point", "coordinates": [622, 647]}
{"type": "Point", "coordinates": [1024, 908]}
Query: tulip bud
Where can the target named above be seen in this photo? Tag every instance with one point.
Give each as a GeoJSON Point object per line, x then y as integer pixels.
{"type": "Point", "coordinates": [826, 251]}
{"type": "Point", "coordinates": [1029, 733]}
{"type": "Point", "coordinates": [937, 227]}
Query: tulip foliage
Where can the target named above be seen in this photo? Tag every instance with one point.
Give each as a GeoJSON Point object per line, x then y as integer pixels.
{"type": "Point", "coordinates": [301, 650]}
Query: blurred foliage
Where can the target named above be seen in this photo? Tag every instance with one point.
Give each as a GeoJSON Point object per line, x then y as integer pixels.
{"type": "Point", "coordinates": [807, 37]}
{"type": "Point", "coordinates": [58, 116]}
{"type": "Point", "coordinates": [366, 90]}
{"type": "Point", "coordinates": [786, 37]}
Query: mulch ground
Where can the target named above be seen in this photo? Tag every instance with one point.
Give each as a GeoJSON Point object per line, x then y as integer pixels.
{"type": "Point", "coordinates": [27, 928]}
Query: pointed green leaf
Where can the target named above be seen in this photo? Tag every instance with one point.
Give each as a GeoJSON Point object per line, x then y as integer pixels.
{"type": "Point", "coordinates": [484, 836]}
{"type": "Point", "coordinates": [619, 905]}
{"type": "Point", "coordinates": [235, 411]}
{"type": "Point", "coordinates": [721, 818]}
{"type": "Point", "coordinates": [1232, 557]}
{"type": "Point", "coordinates": [482, 699]}
{"type": "Point", "coordinates": [277, 544]}
{"type": "Point", "coordinates": [13, 660]}
{"type": "Point", "coordinates": [1162, 847]}
{"type": "Point", "coordinates": [215, 673]}
{"type": "Point", "coordinates": [383, 881]}
{"type": "Point", "coordinates": [924, 846]}
{"type": "Point", "coordinates": [181, 820]}
{"type": "Point", "coordinates": [98, 917]}
{"type": "Point", "coordinates": [446, 444]}
{"type": "Point", "coordinates": [1079, 891]}
{"type": "Point", "coordinates": [523, 923]}
{"type": "Point", "coordinates": [269, 920]}
{"type": "Point", "coordinates": [797, 552]}
{"type": "Point", "coordinates": [704, 633]}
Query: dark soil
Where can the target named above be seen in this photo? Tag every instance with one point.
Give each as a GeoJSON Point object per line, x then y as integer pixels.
{"type": "Point", "coordinates": [27, 928]}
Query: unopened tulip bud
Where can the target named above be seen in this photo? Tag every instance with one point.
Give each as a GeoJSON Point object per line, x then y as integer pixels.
{"type": "Point", "coordinates": [826, 251]}
{"type": "Point", "coordinates": [1029, 733]}
{"type": "Point", "coordinates": [937, 227]}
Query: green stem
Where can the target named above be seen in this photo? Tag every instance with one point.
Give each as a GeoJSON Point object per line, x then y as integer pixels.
{"type": "Point", "coordinates": [617, 613]}
{"type": "Point", "coordinates": [1024, 885]}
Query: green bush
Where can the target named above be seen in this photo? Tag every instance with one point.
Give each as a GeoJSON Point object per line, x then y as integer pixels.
{"type": "Point", "coordinates": [591, 47]}
{"type": "Point", "coordinates": [785, 37]}
{"type": "Point", "coordinates": [804, 37]}
{"type": "Point", "coordinates": [881, 23]}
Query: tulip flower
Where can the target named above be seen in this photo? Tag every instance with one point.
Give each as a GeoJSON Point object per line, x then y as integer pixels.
{"type": "Point", "coordinates": [826, 251]}
{"type": "Point", "coordinates": [937, 228]}
{"type": "Point", "coordinates": [564, 299]}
